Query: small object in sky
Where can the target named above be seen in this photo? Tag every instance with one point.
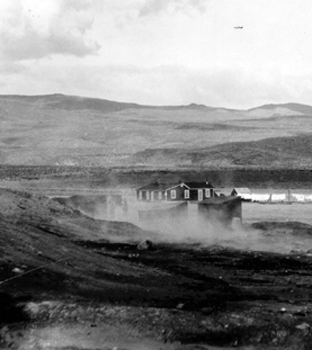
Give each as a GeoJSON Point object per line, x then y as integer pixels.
{"type": "Point", "coordinates": [238, 27]}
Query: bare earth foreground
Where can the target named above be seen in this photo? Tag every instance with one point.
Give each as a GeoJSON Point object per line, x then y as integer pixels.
{"type": "Point", "coordinates": [68, 281]}
{"type": "Point", "coordinates": [71, 282]}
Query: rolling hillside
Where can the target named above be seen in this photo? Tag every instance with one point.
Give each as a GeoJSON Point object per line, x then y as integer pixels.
{"type": "Point", "coordinates": [70, 130]}
{"type": "Point", "coordinates": [289, 152]}
{"type": "Point", "coordinates": [296, 107]}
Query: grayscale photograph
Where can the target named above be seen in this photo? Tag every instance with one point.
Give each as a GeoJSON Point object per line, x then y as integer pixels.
{"type": "Point", "coordinates": [155, 174]}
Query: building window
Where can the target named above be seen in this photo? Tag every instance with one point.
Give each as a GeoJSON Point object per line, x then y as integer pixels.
{"type": "Point", "coordinates": [147, 195]}
{"type": "Point", "coordinates": [173, 194]}
{"type": "Point", "coordinates": [152, 196]}
{"type": "Point", "coordinates": [159, 195]}
{"type": "Point", "coordinates": [140, 195]}
{"type": "Point", "coordinates": [186, 194]}
{"type": "Point", "coordinates": [207, 193]}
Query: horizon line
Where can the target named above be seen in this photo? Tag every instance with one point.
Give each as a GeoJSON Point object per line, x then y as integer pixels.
{"type": "Point", "coordinates": [195, 104]}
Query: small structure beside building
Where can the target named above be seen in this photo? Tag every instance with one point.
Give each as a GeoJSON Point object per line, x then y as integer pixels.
{"type": "Point", "coordinates": [221, 209]}
{"type": "Point", "coordinates": [278, 198]}
{"type": "Point", "coordinates": [260, 197]}
{"type": "Point", "coordinates": [242, 192]}
{"type": "Point", "coordinates": [183, 191]}
{"type": "Point", "coordinates": [298, 197]}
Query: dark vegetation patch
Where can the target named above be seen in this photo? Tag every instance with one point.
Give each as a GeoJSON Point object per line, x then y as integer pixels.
{"type": "Point", "coordinates": [11, 309]}
{"type": "Point", "coordinates": [294, 227]}
{"type": "Point", "coordinates": [10, 140]}
{"type": "Point", "coordinates": [289, 145]}
{"type": "Point", "coordinates": [278, 151]}
{"type": "Point", "coordinates": [65, 178]}
{"type": "Point", "coordinates": [211, 127]}
{"type": "Point", "coordinates": [274, 119]}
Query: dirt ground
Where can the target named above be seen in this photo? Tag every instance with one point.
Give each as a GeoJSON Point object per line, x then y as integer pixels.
{"type": "Point", "coordinates": [66, 284]}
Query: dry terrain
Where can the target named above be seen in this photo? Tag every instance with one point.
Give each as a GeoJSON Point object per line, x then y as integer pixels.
{"type": "Point", "coordinates": [68, 130]}
{"type": "Point", "coordinates": [71, 282]}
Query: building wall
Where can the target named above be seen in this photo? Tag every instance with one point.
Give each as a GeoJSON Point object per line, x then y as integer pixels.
{"type": "Point", "coordinates": [150, 196]}
{"type": "Point", "coordinates": [183, 193]}
{"type": "Point", "coordinates": [221, 210]}
{"type": "Point", "coordinates": [178, 193]}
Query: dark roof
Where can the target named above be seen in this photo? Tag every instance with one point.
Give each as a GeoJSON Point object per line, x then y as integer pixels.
{"type": "Point", "coordinates": [202, 184]}
{"type": "Point", "coordinates": [242, 190]}
{"type": "Point", "coordinates": [220, 200]}
{"type": "Point", "coordinates": [156, 186]}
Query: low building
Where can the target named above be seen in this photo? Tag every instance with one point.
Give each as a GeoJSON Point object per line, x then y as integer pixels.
{"type": "Point", "coordinates": [153, 192]}
{"type": "Point", "coordinates": [221, 209]}
{"type": "Point", "coordinates": [298, 197]}
{"type": "Point", "coordinates": [242, 192]}
{"type": "Point", "coordinates": [260, 197]}
{"type": "Point", "coordinates": [278, 198]}
{"type": "Point", "coordinates": [183, 191]}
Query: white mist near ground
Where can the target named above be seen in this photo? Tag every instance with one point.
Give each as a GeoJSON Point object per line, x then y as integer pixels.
{"type": "Point", "coordinates": [207, 232]}
{"type": "Point", "coordinates": [197, 229]}
{"type": "Point", "coordinates": [190, 227]}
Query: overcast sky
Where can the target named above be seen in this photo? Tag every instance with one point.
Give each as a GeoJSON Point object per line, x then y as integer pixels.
{"type": "Point", "coordinates": [159, 52]}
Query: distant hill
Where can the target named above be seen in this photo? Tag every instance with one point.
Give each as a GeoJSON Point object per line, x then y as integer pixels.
{"type": "Point", "coordinates": [70, 130]}
{"type": "Point", "coordinates": [66, 102]}
{"type": "Point", "coordinates": [296, 107]}
{"type": "Point", "coordinates": [271, 152]}
{"type": "Point", "coordinates": [190, 106]}
{"type": "Point", "coordinates": [60, 101]}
